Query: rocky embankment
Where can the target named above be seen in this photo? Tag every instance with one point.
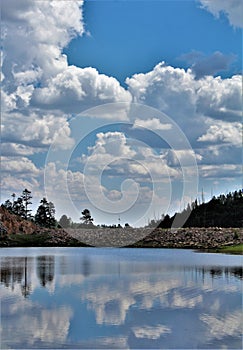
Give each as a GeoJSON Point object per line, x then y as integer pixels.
{"type": "Point", "coordinates": [195, 238]}
{"type": "Point", "coordinates": [16, 232]}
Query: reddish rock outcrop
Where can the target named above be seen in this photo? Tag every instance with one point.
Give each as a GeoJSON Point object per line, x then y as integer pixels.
{"type": "Point", "coordinates": [32, 235]}
{"type": "Point", "coordinates": [15, 224]}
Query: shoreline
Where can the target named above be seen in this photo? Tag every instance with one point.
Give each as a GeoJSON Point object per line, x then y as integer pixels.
{"type": "Point", "coordinates": [219, 240]}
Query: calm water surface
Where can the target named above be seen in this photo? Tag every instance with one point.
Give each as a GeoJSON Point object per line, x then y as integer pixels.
{"type": "Point", "coordinates": [119, 298]}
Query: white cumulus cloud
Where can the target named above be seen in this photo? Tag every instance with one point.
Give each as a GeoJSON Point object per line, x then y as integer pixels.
{"type": "Point", "coordinates": [224, 132]}
{"type": "Point", "coordinates": [151, 124]}
{"type": "Point", "coordinates": [45, 28]}
{"type": "Point", "coordinates": [175, 92]}
{"type": "Point", "coordinates": [36, 130]}
{"type": "Point", "coordinates": [18, 165]}
{"type": "Point", "coordinates": [233, 9]}
{"type": "Point", "coordinates": [76, 89]}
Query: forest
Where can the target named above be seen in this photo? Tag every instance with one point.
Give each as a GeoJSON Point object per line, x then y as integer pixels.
{"type": "Point", "coordinates": [222, 211]}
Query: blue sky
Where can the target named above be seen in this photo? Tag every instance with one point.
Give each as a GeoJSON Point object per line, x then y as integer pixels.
{"type": "Point", "coordinates": [128, 108]}
{"type": "Point", "coordinates": [127, 37]}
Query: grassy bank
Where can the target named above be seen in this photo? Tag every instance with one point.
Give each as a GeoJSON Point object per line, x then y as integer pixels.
{"type": "Point", "coordinates": [40, 240]}
{"type": "Point", "coordinates": [235, 249]}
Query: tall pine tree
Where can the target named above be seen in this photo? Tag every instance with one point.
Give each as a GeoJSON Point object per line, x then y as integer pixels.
{"type": "Point", "coordinates": [26, 197]}
{"type": "Point", "coordinates": [45, 215]}
{"type": "Point", "coordinates": [18, 207]}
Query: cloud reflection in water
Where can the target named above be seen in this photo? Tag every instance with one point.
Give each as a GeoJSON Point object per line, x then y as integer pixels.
{"type": "Point", "coordinates": [119, 300]}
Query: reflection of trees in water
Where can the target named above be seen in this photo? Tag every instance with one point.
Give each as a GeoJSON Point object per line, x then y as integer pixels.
{"type": "Point", "coordinates": [86, 265]}
{"type": "Point", "coordinates": [14, 271]}
{"type": "Point", "coordinates": [26, 285]}
{"type": "Point", "coordinates": [215, 272]}
{"type": "Point", "coordinates": [45, 269]}
{"type": "Point", "coordinates": [219, 271]}
{"type": "Point", "coordinates": [237, 271]}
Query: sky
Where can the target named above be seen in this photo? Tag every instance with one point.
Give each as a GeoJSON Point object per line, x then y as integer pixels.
{"type": "Point", "coordinates": [131, 109]}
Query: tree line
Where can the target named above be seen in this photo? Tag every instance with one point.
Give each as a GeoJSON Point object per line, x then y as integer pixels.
{"type": "Point", "coordinates": [222, 211]}
{"type": "Point", "coordinates": [86, 220]}
{"type": "Point", "coordinates": [44, 216]}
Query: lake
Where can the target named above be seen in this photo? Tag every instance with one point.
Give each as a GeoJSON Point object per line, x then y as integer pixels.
{"type": "Point", "coordinates": [96, 298]}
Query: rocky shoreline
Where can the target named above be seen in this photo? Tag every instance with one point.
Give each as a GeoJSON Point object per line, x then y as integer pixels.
{"type": "Point", "coordinates": [193, 238]}
{"type": "Point", "coordinates": [16, 232]}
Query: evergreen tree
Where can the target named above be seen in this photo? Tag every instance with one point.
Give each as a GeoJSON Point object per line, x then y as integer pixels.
{"type": "Point", "coordinates": [18, 207]}
{"type": "Point", "coordinates": [26, 196]}
{"type": "Point", "coordinates": [65, 222]}
{"type": "Point", "coordinates": [223, 211]}
{"type": "Point", "coordinates": [167, 222]}
{"type": "Point", "coordinates": [51, 210]}
{"type": "Point", "coordinates": [14, 196]}
{"type": "Point", "coordinates": [86, 218]}
{"type": "Point", "coordinates": [8, 205]}
{"type": "Point", "coordinates": [45, 215]}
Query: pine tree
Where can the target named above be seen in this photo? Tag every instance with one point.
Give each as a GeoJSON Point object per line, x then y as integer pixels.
{"type": "Point", "coordinates": [18, 207]}
{"type": "Point", "coordinates": [64, 221]}
{"type": "Point", "coordinates": [86, 218]}
{"type": "Point", "coordinates": [8, 205]}
{"type": "Point", "coordinates": [45, 215]}
{"type": "Point", "coordinates": [14, 196]}
{"type": "Point", "coordinates": [26, 196]}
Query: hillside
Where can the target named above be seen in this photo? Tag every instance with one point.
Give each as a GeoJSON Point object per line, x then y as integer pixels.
{"type": "Point", "coordinates": [17, 232]}
{"type": "Point", "coordinates": [223, 211]}
{"type": "Point", "coordinates": [14, 224]}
